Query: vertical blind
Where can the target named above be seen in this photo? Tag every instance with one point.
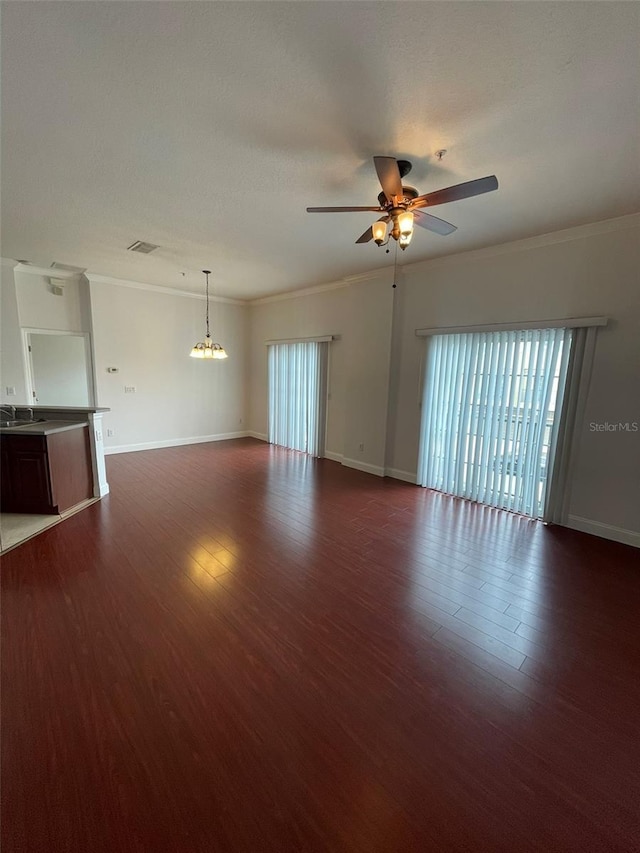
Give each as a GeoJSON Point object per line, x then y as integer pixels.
{"type": "Point", "coordinates": [297, 395]}
{"type": "Point", "coordinates": [490, 415]}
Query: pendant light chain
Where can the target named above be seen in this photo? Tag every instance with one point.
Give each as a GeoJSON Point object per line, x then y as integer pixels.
{"type": "Point", "coordinates": [207, 275]}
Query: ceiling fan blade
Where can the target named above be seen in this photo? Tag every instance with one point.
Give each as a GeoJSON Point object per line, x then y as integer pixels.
{"type": "Point", "coordinates": [389, 177]}
{"type": "Point", "coordinates": [457, 192]}
{"type": "Point", "coordinates": [364, 238]}
{"type": "Point", "coordinates": [342, 209]}
{"type": "Point", "coordinates": [432, 223]}
{"type": "Point", "coordinates": [368, 234]}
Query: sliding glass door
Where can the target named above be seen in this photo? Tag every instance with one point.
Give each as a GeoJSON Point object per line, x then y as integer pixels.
{"type": "Point", "coordinates": [297, 395]}
{"type": "Point", "coordinates": [491, 413]}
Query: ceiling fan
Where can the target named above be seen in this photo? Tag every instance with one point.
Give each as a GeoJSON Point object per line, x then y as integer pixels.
{"type": "Point", "coordinates": [402, 206]}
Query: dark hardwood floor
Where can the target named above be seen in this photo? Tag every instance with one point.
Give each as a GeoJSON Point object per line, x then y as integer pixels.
{"type": "Point", "coordinates": [243, 649]}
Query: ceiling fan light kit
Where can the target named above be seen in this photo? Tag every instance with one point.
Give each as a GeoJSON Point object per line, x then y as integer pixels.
{"type": "Point", "coordinates": [379, 231]}
{"type": "Point", "coordinates": [402, 206]}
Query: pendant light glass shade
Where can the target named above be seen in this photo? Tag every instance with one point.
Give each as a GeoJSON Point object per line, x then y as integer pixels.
{"type": "Point", "coordinates": [207, 348]}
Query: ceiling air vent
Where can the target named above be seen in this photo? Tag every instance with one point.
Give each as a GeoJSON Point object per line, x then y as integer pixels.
{"type": "Point", "coordinates": [140, 246]}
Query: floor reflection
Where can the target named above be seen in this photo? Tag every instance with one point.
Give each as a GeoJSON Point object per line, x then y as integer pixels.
{"type": "Point", "coordinates": [290, 481]}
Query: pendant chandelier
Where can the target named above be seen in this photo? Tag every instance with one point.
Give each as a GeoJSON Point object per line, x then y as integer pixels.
{"type": "Point", "coordinates": [207, 348]}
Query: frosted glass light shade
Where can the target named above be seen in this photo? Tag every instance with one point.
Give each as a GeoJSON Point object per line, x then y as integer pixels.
{"type": "Point", "coordinates": [379, 230]}
{"type": "Point", "coordinates": [219, 351]}
{"type": "Point", "coordinates": [405, 239]}
{"type": "Point", "coordinates": [405, 223]}
{"type": "Point", "coordinates": [207, 349]}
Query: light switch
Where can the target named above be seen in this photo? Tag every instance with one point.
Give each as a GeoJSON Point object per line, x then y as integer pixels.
{"type": "Point", "coordinates": [129, 389]}
{"type": "Point", "coordinates": [11, 390]}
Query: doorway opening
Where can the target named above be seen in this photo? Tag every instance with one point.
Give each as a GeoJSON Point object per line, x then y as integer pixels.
{"type": "Point", "coordinates": [58, 368]}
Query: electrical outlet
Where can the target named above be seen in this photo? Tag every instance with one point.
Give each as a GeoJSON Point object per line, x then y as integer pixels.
{"type": "Point", "coordinates": [361, 446]}
{"type": "Point", "coordinates": [11, 390]}
{"type": "Point", "coordinates": [129, 389]}
{"type": "Point", "coordinates": [109, 433]}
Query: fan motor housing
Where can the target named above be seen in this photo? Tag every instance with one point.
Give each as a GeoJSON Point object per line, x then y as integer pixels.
{"type": "Point", "coordinates": [409, 194]}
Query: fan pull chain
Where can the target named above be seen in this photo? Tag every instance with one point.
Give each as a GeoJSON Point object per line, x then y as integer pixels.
{"type": "Point", "coordinates": [395, 266]}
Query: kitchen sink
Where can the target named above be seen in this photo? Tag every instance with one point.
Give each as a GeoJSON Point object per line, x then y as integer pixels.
{"type": "Point", "coordinates": [20, 422]}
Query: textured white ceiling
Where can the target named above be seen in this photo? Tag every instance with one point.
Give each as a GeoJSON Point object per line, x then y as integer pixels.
{"type": "Point", "coordinates": [208, 127]}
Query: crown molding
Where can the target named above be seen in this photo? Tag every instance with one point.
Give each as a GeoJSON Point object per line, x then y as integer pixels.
{"type": "Point", "coordinates": [566, 235]}
{"type": "Point", "coordinates": [157, 288]}
{"type": "Point", "coordinates": [577, 232]}
{"type": "Point", "coordinates": [378, 272]}
{"type": "Point", "coordinates": [346, 281]}
{"type": "Point", "coordinates": [294, 294]}
{"type": "Point", "coordinates": [46, 272]}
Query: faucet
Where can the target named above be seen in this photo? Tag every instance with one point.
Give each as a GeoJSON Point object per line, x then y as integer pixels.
{"type": "Point", "coordinates": [11, 410]}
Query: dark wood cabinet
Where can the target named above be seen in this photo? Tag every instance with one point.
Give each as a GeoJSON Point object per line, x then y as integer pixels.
{"type": "Point", "coordinates": [46, 474]}
{"type": "Point", "coordinates": [6, 493]}
{"type": "Point", "coordinates": [30, 482]}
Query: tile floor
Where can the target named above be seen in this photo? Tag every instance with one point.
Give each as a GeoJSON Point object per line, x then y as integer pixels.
{"type": "Point", "coordinates": [18, 527]}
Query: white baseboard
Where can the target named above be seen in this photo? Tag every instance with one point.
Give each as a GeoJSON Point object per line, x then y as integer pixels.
{"type": "Point", "coordinates": [405, 476]}
{"type": "Point", "coordinates": [262, 436]}
{"type": "Point", "coordinates": [173, 442]}
{"type": "Point", "coordinates": [363, 466]}
{"type": "Point", "coordinates": [606, 531]}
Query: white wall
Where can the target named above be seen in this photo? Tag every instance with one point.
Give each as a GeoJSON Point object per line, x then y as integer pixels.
{"type": "Point", "coordinates": [302, 316]}
{"type": "Point", "coordinates": [594, 272]}
{"type": "Point", "coordinates": [367, 340]}
{"type": "Point", "coordinates": [375, 363]}
{"type": "Point", "coordinates": [40, 308]}
{"type": "Point", "coordinates": [148, 334]}
{"type": "Point", "coordinates": [360, 315]}
{"type": "Point", "coordinates": [11, 357]}
{"type": "Point", "coordinates": [375, 382]}
{"type": "Point", "coordinates": [28, 302]}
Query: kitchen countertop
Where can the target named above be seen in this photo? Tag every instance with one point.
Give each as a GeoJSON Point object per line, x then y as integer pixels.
{"type": "Point", "coordinates": [43, 428]}
{"type": "Point", "coordinates": [71, 409]}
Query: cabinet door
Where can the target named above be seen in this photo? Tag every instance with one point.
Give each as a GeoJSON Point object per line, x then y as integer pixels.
{"type": "Point", "coordinates": [30, 482]}
{"type": "Point", "coordinates": [5, 478]}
